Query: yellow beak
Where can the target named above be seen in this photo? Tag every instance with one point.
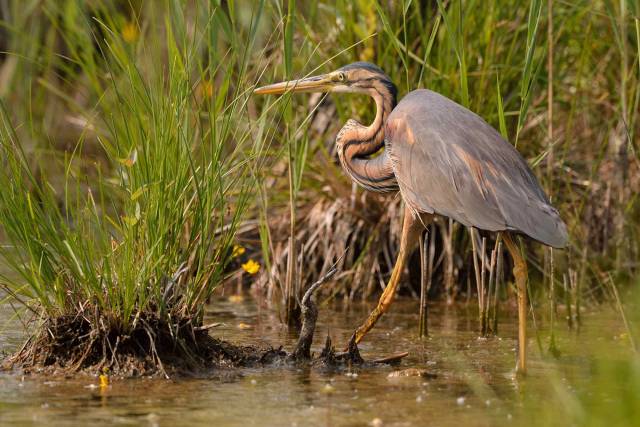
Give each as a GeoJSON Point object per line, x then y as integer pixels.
{"type": "Point", "coordinates": [322, 83]}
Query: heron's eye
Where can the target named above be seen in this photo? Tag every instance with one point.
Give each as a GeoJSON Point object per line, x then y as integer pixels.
{"type": "Point", "coordinates": [341, 77]}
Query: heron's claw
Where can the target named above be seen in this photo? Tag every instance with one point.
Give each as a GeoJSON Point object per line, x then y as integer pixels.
{"type": "Point", "coordinates": [353, 354]}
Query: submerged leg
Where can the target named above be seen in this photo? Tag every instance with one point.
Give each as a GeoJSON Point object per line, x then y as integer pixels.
{"type": "Point", "coordinates": [422, 329]}
{"type": "Point", "coordinates": [520, 274]}
{"type": "Point", "coordinates": [411, 229]}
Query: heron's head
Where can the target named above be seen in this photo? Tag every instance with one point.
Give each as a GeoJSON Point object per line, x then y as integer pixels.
{"type": "Point", "coordinates": [359, 77]}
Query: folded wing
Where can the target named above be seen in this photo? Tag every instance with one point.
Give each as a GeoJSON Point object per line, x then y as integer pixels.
{"type": "Point", "coordinates": [449, 161]}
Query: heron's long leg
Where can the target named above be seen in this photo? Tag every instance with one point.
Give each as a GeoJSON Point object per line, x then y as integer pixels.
{"type": "Point", "coordinates": [422, 324]}
{"type": "Point", "coordinates": [520, 274]}
{"type": "Point", "coordinates": [411, 229]}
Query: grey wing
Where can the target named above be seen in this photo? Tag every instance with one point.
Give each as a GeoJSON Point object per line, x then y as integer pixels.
{"type": "Point", "coordinates": [449, 161]}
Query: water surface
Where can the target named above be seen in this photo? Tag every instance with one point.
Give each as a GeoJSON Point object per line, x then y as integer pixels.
{"type": "Point", "coordinates": [474, 383]}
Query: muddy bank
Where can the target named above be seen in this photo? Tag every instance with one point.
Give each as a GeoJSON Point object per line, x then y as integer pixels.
{"type": "Point", "coordinates": [138, 355]}
{"type": "Point", "coordinates": [153, 347]}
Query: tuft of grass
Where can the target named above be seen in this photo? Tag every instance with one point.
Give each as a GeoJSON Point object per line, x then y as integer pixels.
{"type": "Point", "coordinates": [142, 234]}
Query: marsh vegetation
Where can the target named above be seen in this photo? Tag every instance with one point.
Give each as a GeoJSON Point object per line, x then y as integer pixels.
{"type": "Point", "coordinates": [140, 181]}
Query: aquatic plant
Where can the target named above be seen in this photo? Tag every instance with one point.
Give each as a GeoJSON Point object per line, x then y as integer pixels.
{"type": "Point", "coordinates": [116, 246]}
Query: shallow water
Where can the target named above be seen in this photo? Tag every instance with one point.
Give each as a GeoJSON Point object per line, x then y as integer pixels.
{"type": "Point", "coordinates": [473, 385]}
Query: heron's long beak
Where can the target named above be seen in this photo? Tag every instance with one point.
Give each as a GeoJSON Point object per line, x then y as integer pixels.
{"type": "Point", "coordinates": [322, 83]}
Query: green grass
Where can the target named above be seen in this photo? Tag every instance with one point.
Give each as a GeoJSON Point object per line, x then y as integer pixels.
{"type": "Point", "coordinates": [131, 151]}
{"type": "Point", "coordinates": [138, 216]}
{"type": "Point", "coordinates": [132, 148]}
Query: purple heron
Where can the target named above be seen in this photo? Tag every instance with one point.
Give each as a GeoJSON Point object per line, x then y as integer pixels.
{"type": "Point", "coordinates": [445, 160]}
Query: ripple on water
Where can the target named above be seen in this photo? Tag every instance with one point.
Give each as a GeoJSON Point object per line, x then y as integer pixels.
{"type": "Point", "coordinates": [449, 377]}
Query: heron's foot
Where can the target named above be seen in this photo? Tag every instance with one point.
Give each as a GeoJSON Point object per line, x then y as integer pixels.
{"type": "Point", "coordinates": [360, 333]}
{"type": "Point", "coordinates": [353, 354]}
{"type": "Point", "coordinates": [349, 357]}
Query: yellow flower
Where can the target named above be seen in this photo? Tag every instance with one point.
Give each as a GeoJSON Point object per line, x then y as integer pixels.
{"type": "Point", "coordinates": [237, 251]}
{"type": "Point", "coordinates": [251, 267]}
{"type": "Point", "coordinates": [130, 32]}
{"type": "Point", "coordinates": [104, 380]}
{"type": "Point", "coordinates": [104, 377]}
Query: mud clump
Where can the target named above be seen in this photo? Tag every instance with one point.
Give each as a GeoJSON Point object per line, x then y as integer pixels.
{"type": "Point", "coordinates": [69, 345]}
{"type": "Point", "coordinates": [154, 347]}
{"type": "Point", "coordinates": [73, 344]}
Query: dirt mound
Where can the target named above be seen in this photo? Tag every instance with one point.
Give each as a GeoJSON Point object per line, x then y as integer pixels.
{"type": "Point", "coordinates": [155, 347]}
{"type": "Point", "coordinates": [71, 344]}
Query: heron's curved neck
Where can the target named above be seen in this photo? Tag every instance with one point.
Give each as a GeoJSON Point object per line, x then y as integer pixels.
{"type": "Point", "coordinates": [356, 143]}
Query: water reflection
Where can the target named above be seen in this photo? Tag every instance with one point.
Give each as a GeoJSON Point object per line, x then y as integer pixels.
{"type": "Point", "coordinates": [470, 380]}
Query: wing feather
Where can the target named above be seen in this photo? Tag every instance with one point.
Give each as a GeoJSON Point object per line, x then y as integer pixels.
{"type": "Point", "coordinates": [449, 161]}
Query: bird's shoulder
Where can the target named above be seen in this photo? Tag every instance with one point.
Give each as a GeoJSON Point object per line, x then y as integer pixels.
{"type": "Point", "coordinates": [424, 107]}
{"type": "Point", "coordinates": [434, 121]}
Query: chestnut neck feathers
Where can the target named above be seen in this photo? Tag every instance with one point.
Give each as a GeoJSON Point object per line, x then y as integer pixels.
{"type": "Point", "coordinates": [358, 143]}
